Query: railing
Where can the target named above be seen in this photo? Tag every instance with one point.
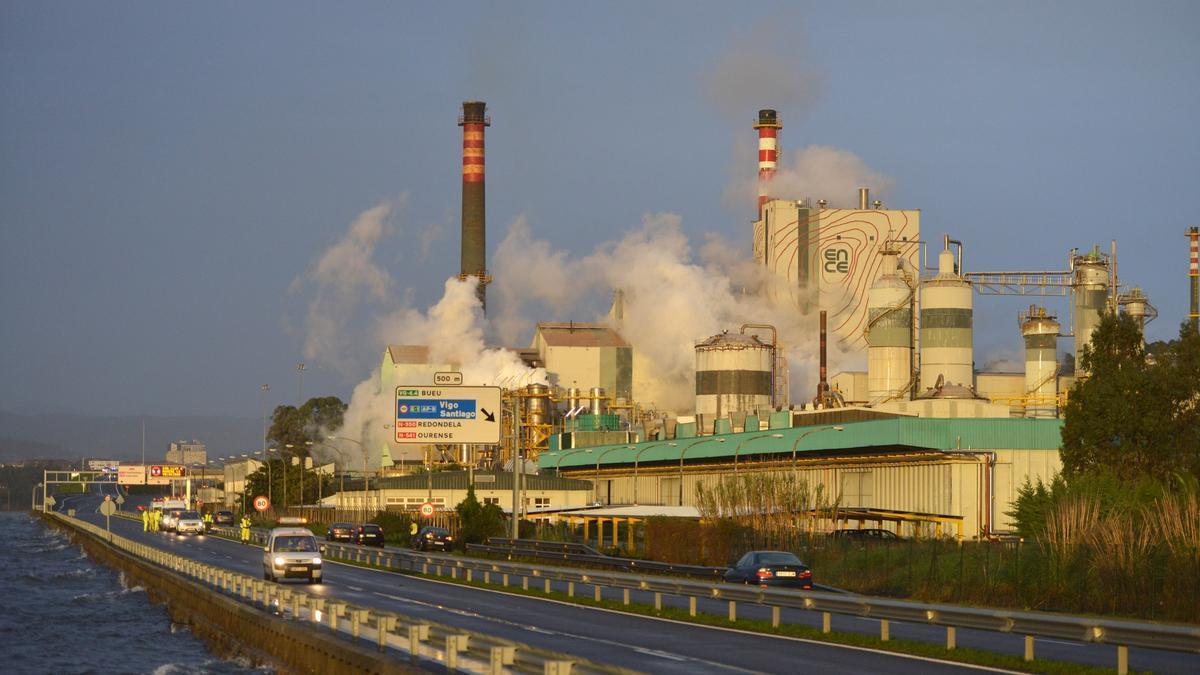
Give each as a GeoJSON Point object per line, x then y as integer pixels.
{"type": "Point", "coordinates": [454, 647]}
{"type": "Point", "coordinates": [581, 553]}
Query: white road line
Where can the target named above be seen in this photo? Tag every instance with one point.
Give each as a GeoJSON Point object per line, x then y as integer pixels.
{"type": "Point", "coordinates": [1060, 642]}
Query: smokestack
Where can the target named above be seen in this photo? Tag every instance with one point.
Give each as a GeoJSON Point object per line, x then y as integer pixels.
{"type": "Point", "coordinates": [864, 198]}
{"type": "Point", "coordinates": [823, 384]}
{"type": "Point", "coordinates": [768, 152]}
{"type": "Point", "coordinates": [1194, 273]}
{"type": "Point", "coordinates": [474, 234]}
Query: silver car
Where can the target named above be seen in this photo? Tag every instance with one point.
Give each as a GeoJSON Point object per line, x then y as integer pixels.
{"type": "Point", "coordinates": [189, 522]}
{"type": "Point", "coordinates": [292, 553]}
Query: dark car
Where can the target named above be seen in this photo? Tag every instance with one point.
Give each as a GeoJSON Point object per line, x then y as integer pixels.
{"type": "Point", "coordinates": [369, 534]}
{"type": "Point", "coordinates": [866, 534]}
{"type": "Point", "coordinates": [340, 532]}
{"type": "Point", "coordinates": [223, 518]}
{"type": "Point", "coordinates": [432, 537]}
{"type": "Point", "coordinates": [770, 568]}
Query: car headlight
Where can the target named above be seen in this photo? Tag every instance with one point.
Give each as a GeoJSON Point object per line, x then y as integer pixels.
{"type": "Point", "coordinates": [316, 561]}
{"type": "Point", "coordinates": [279, 562]}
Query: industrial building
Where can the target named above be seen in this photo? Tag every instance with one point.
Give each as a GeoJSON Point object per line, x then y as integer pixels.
{"type": "Point", "coordinates": [446, 489]}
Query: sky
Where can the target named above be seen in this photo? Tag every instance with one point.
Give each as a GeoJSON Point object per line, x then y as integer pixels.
{"type": "Point", "coordinates": [196, 197]}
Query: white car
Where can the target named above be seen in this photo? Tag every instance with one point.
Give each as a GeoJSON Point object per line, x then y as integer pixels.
{"type": "Point", "coordinates": [188, 522]}
{"type": "Point", "coordinates": [169, 516]}
{"type": "Point", "coordinates": [291, 553]}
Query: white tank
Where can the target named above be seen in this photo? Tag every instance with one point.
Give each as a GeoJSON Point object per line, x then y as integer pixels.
{"type": "Point", "coordinates": [733, 374]}
{"type": "Point", "coordinates": [1135, 303]}
{"type": "Point", "coordinates": [1040, 331]}
{"type": "Point", "coordinates": [946, 327]}
{"type": "Point", "coordinates": [1090, 288]}
{"type": "Point", "coordinates": [889, 332]}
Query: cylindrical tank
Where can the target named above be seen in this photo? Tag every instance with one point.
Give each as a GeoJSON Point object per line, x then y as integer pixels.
{"type": "Point", "coordinates": [946, 327]}
{"type": "Point", "coordinates": [1090, 288]}
{"type": "Point", "coordinates": [1135, 306]}
{"type": "Point", "coordinates": [733, 374]}
{"type": "Point", "coordinates": [537, 404]}
{"type": "Point", "coordinates": [573, 396]}
{"type": "Point", "coordinates": [889, 330]}
{"type": "Point", "coordinates": [599, 403]}
{"type": "Point", "coordinates": [1040, 331]}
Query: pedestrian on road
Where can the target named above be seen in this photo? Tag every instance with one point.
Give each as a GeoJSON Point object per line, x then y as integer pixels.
{"type": "Point", "coordinates": [245, 529]}
{"type": "Point", "coordinates": [145, 522]}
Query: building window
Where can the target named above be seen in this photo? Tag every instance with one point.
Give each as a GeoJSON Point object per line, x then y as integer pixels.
{"type": "Point", "coordinates": [541, 502]}
{"type": "Point", "coordinates": [492, 500]}
{"type": "Point", "coordinates": [857, 490]}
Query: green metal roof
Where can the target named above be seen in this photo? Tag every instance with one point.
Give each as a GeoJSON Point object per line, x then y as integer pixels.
{"type": "Point", "coordinates": [889, 434]}
{"type": "Point", "coordinates": [484, 480]}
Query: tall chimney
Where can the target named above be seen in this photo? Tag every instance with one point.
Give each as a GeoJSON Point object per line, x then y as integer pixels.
{"type": "Point", "coordinates": [1193, 234]}
{"type": "Point", "coordinates": [474, 234]}
{"type": "Point", "coordinates": [864, 198]}
{"type": "Point", "coordinates": [768, 152]}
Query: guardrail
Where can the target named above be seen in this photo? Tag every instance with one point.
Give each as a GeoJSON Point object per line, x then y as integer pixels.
{"type": "Point", "coordinates": [1121, 633]}
{"type": "Point", "coordinates": [572, 552]}
{"type": "Point", "coordinates": [454, 647]}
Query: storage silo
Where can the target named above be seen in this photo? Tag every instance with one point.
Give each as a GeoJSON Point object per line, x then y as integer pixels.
{"type": "Point", "coordinates": [1040, 331]}
{"type": "Point", "coordinates": [946, 325]}
{"type": "Point", "coordinates": [733, 374]}
{"type": "Point", "coordinates": [1136, 305]}
{"type": "Point", "coordinates": [889, 331]}
{"type": "Point", "coordinates": [1089, 284]}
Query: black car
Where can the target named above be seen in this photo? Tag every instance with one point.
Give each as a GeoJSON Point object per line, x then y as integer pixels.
{"type": "Point", "coordinates": [866, 534]}
{"type": "Point", "coordinates": [341, 532]}
{"type": "Point", "coordinates": [369, 534]}
{"type": "Point", "coordinates": [770, 568]}
{"type": "Point", "coordinates": [432, 537]}
{"type": "Point", "coordinates": [223, 518]}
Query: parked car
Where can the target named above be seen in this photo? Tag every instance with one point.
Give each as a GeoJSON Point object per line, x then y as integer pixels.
{"type": "Point", "coordinates": [340, 532]}
{"type": "Point", "coordinates": [223, 518]}
{"type": "Point", "coordinates": [770, 568]}
{"type": "Point", "coordinates": [866, 534]}
{"type": "Point", "coordinates": [369, 534]}
{"type": "Point", "coordinates": [291, 553]}
{"type": "Point", "coordinates": [432, 537]}
{"type": "Point", "coordinates": [188, 522]}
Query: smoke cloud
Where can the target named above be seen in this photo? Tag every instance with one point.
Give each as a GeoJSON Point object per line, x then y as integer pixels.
{"type": "Point", "coordinates": [760, 70]}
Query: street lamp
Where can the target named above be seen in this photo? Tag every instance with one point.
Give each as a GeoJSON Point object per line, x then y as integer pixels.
{"type": "Point", "coordinates": [683, 452]}
{"type": "Point", "coordinates": [801, 438]}
{"type": "Point", "coordinates": [596, 485]}
{"type": "Point", "coordinates": [366, 476]}
{"type": "Point", "coordinates": [301, 458]}
{"type": "Point", "coordinates": [565, 455]}
{"type": "Point", "coordinates": [263, 400]}
{"type": "Point", "coordinates": [635, 466]}
{"type": "Point", "coordinates": [737, 451]}
{"type": "Point", "coordinates": [300, 368]}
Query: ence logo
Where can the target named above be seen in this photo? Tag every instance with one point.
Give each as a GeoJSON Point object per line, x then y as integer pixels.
{"type": "Point", "coordinates": [836, 260]}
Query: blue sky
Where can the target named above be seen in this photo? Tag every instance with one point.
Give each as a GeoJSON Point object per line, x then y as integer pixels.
{"type": "Point", "coordinates": [170, 173]}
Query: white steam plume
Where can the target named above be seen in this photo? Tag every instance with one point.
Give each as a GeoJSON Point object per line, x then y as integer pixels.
{"type": "Point", "coordinates": [762, 69]}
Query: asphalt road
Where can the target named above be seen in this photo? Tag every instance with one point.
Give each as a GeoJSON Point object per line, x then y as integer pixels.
{"type": "Point", "coordinates": [633, 641]}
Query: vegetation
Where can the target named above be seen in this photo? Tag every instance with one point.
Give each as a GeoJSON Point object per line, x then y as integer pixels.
{"type": "Point", "coordinates": [285, 480]}
{"type": "Point", "coordinates": [1135, 416]}
{"type": "Point", "coordinates": [302, 427]}
{"type": "Point", "coordinates": [478, 521]}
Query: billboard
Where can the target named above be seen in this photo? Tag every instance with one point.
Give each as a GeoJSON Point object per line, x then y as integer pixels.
{"type": "Point", "coordinates": [163, 474]}
{"type": "Point", "coordinates": [131, 474]}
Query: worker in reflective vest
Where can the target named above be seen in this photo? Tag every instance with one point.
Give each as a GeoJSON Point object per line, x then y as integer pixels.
{"type": "Point", "coordinates": [245, 529]}
{"type": "Point", "coordinates": [145, 522]}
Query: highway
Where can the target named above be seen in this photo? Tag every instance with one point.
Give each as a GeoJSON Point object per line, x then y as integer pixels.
{"type": "Point", "coordinates": [626, 640]}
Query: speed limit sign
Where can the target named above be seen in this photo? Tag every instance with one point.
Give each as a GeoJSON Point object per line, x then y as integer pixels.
{"type": "Point", "coordinates": [427, 510]}
{"type": "Point", "coordinates": [261, 503]}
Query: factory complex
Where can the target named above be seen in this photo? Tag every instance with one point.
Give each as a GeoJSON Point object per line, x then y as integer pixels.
{"type": "Point", "coordinates": [920, 442]}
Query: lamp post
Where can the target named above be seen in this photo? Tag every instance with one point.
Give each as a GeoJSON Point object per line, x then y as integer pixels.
{"type": "Point", "coordinates": [301, 458]}
{"type": "Point", "coordinates": [737, 451]}
{"type": "Point", "coordinates": [637, 457]}
{"type": "Point", "coordinates": [564, 455]}
{"type": "Point", "coordinates": [801, 438]}
{"type": "Point", "coordinates": [596, 485]}
{"type": "Point", "coordinates": [683, 452]}
{"type": "Point", "coordinates": [263, 400]}
{"type": "Point", "coordinates": [300, 368]}
{"type": "Point", "coordinates": [363, 448]}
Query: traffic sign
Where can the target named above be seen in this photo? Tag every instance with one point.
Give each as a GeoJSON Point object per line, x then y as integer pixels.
{"type": "Point", "coordinates": [427, 510]}
{"type": "Point", "coordinates": [119, 500]}
{"type": "Point", "coordinates": [261, 503]}
{"type": "Point", "coordinates": [442, 379]}
{"type": "Point", "coordinates": [108, 508]}
{"type": "Point", "coordinates": [447, 415]}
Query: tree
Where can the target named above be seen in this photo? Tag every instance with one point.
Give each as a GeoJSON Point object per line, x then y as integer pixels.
{"type": "Point", "coordinates": [478, 521]}
{"type": "Point", "coordinates": [1130, 415]}
{"type": "Point", "coordinates": [307, 424]}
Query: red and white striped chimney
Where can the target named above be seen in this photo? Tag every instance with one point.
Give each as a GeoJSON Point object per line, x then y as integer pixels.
{"type": "Point", "coordinates": [1193, 234]}
{"type": "Point", "coordinates": [768, 153]}
{"type": "Point", "coordinates": [474, 222]}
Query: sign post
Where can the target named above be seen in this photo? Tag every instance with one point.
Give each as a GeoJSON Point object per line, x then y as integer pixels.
{"type": "Point", "coordinates": [107, 507]}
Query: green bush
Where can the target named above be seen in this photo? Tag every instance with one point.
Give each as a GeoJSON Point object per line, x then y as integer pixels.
{"type": "Point", "coordinates": [396, 526]}
{"type": "Point", "coordinates": [478, 521]}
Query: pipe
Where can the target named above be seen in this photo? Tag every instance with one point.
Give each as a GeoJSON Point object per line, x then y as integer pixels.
{"type": "Point", "coordinates": [947, 241]}
{"type": "Point", "coordinates": [864, 198]}
{"type": "Point", "coordinates": [774, 359]}
{"type": "Point", "coordinates": [474, 234]}
{"type": "Point", "coordinates": [823, 384]}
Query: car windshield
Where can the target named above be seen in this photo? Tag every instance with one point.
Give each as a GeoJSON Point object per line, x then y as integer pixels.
{"type": "Point", "coordinates": [189, 515]}
{"type": "Point", "coordinates": [439, 531]}
{"type": "Point", "coordinates": [297, 543]}
{"type": "Point", "coordinates": [370, 528]}
{"type": "Point", "coordinates": [777, 558]}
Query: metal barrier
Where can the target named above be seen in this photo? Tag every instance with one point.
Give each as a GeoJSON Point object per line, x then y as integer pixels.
{"type": "Point", "coordinates": [581, 553]}
{"type": "Point", "coordinates": [457, 649]}
{"type": "Point", "coordinates": [1121, 633]}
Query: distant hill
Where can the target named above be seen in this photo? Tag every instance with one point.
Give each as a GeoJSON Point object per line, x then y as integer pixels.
{"type": "Point", "coordinates": [77, 436]}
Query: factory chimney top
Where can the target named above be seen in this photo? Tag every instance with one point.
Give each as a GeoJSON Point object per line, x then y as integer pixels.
{"type": "Point", "coordinates": [768, 118]}
{"type": "Point", "coordinates": [474, 112]}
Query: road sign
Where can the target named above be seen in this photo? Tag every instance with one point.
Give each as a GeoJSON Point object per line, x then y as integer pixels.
{"type": "Point", "coordinates": [108, 508]}
{"type": "Point", "coordinates": [131, 474]}
{"type": "Point", "coordinates": [427, 510]}
{"type": "Point", "coordinates": [261, 503]}
{"type": "Point", "coordinates": [447, 415]}
{"type": "Point", "coordinates": [119, 500]}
